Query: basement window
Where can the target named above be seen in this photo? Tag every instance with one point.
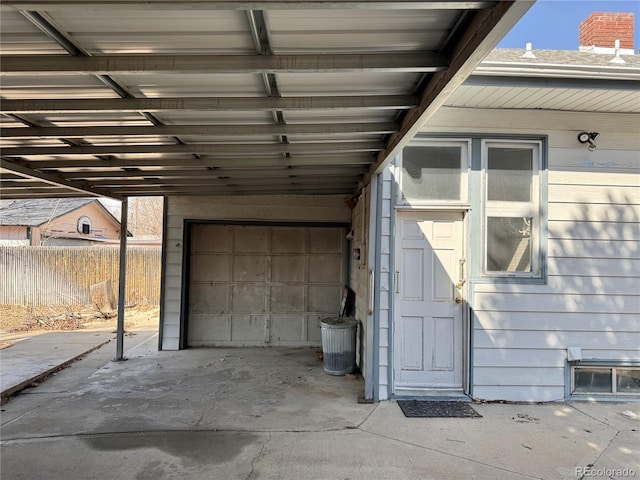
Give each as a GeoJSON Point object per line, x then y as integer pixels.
{"type": "Point", "coordinates": [605, 381]}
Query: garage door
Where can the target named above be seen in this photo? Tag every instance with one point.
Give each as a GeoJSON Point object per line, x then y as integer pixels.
{"type": "Point", "coordinates": [263, 285]}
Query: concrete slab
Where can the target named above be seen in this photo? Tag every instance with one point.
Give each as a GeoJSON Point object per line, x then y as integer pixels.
{"type": "Point", "coordinates": [252, 389]}
{"type": "Point", "coordinates": [272, 413]}
{"type": "Point", "coordinates": [511, 437]}
{"type": "Point", "coordinates": [33, 357]}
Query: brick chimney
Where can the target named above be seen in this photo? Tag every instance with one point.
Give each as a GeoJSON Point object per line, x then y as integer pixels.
{"type": "Point", "coordinates": [599, 31]}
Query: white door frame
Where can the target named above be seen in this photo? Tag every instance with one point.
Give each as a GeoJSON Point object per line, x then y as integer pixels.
{"type": "Point", "coordinates": [463, 291]}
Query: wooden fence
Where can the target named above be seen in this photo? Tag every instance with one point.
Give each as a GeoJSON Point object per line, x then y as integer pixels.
{"type": "Point", "coordinates": [62, 275]}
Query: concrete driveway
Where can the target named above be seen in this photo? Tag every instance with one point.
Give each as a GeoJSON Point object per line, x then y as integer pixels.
{"type": "Point", "coordinates": [274, 414]}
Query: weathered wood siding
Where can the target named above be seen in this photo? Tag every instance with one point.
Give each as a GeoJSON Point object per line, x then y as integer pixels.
{"type": "Point", "coordinates": [63, 275]}
{"type": "Point", "coordinates": [592, 295]}
{"type": "Point", "coordinates": [245, 208]}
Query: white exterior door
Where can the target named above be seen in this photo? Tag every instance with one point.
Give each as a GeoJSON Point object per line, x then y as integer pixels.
{"type": "Point", "coordinates": [428, 333]}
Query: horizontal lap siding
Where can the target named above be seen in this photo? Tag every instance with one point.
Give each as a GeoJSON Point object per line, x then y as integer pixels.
{"type": "Point", "coordinates": [591, 299]}
{"type": "Point", "coordinates": [242, 208]}
{"type": "Point", "coordinates": [385, 313]}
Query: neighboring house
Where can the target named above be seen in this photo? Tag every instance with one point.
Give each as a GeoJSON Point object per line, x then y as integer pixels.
{"type": "Point", "coordinates": [56, 222]}
{"type": "Point", "coordinates": [497, 258]}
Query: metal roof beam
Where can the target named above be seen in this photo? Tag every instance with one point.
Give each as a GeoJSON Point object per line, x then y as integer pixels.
{"type": "Point", "coordinates": [130, 64]}
{"type": "Point", "coordinates": [398, 102]}
{"type": "Point", "coordinates": [198, 149]}
{"type": "Point", "coordinates": [154, 5]}
{"type": "Point", "coordinates": [150, 182]}
{"type": "Point", "coordinates": [224, 162]}
{"type": "Point", "coordinates": [40, 193]}
{"type": "Point", "coordinates": [324, 189]}
{"type": "Point", "coordinates": [282, 172]}
{"type": "Point", "coordinates": [374, 128]}
{"type": "Point", "coordinates": [54, 180]}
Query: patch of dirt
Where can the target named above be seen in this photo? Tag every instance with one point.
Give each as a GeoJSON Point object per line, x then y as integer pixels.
{"type": "Point", "coordinates": [17, 318]}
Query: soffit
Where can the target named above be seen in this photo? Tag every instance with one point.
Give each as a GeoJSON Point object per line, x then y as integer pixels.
{"type": "Point", "coordinates": [553, 80]}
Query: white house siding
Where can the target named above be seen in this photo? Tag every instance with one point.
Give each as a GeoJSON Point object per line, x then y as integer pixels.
{"type": "Point", "coordinates": [13, 235]}
{"type": "Point", "coordinates": [243, 208]}
{"type": "Point", "coordinates": [384, 290]}
{"type": "Point", "coordinates": [591, 298]}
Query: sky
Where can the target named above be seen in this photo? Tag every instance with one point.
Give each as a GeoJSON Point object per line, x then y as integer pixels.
{"type": "Point", "coordinates": [553, 24]}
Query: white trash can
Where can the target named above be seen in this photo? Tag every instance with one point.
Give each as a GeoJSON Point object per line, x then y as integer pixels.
{"type": "Point", "coordinates": [339, 344]}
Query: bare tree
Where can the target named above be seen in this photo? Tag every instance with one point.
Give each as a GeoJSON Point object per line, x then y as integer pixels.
{"type": "Point", "coordinates": [145, 216]}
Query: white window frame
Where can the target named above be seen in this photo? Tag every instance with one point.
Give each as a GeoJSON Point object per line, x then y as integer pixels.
{"type": "Point", "coordinates": [465, 162]}
{"type": "Point", "coordinates": [507, 209]}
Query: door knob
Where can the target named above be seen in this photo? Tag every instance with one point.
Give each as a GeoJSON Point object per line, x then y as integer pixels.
{"type": "Point", "coordinates": [458, 299]}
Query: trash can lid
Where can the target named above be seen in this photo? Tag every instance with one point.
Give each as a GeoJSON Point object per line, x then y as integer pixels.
{"type": "Point", "coordinates": [339, 322]}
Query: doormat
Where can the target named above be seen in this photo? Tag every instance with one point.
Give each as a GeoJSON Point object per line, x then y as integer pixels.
{"type": "Point", "coordinates": [428, 409]}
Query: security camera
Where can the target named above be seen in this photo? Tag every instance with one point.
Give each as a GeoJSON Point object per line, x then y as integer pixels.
{"type": "Point", "coordinates": [590, 138]}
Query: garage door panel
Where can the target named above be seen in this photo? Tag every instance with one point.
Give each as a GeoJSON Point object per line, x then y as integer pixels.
{"type": "Point", "coordinates": [249, 268]}
{"type": "Point", "coordinates": [248, 298]}
{"type": "Point", "coordinates": [253, 285]}
{"type": "Point", "coordinates": [248, 328]}
{"type": "Point", "coordinates": [250, 240]}
{"type": "Point", "coordinates": [326, 240]}
{"type": "Point", "coordinates": [324, 298]}
{"type": "Point", "coordinates": [212, 239]}
{"type": "Point", "coordinates": [207, 329]}
{"type": "Point", "coordinates": [210, 268]}
{"type": "Point", "coordinates": [314, 333]}
{"type": "Point", "coordinates": [288, 240]}
{"type": "Point", "coordinates": [288, 269]}
{"type": "Point", "coordinates": [325, 268]}
{"type": "Point", "coordinates": [209, 298]}
{"type": "Point", "coordinates": [288, 328]}
{"type": "Point", "coordinates": [287, 298]}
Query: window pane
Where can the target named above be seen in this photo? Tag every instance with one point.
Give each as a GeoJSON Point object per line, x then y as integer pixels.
{"type": "Point", "coordinates": [592, 380]}
{"type": "Point", "coordinates": [431, 173]}
{"type": "Point", "coordinates": [628, 381]}
{"type": "Point", "coordinates": [509, 174]}
{"type": "Point", "coordinates": [509, 244]}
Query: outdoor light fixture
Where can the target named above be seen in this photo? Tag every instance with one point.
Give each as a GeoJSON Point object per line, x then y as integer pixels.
{"type": "Point", "coordinates": [590, 138]}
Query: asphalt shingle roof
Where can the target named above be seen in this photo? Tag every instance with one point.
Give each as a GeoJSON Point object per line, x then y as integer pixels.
{"type": "Point", "coordinates": [33, 213]}
{"type": "Point", "coordinates": [560, 57]}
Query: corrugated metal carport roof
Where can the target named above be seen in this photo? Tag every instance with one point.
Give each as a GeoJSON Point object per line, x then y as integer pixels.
{"type": "Point", "coordinates": [127, 98]}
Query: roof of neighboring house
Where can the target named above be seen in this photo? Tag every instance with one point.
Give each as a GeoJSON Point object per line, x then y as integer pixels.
{"type": "Point", "coordinates": [36, 212]}
{"type": "Point", "coordinates": [560, 64]}
{"type": "Point", "coordinates": [560, 57]}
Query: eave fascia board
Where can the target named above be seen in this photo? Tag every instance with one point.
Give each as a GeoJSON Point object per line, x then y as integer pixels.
{"type": "Point", "coordinates": [587, 72]}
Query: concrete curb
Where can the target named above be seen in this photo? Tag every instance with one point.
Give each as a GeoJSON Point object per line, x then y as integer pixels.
{"type": "Point", "coordinates": [26, 383]}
